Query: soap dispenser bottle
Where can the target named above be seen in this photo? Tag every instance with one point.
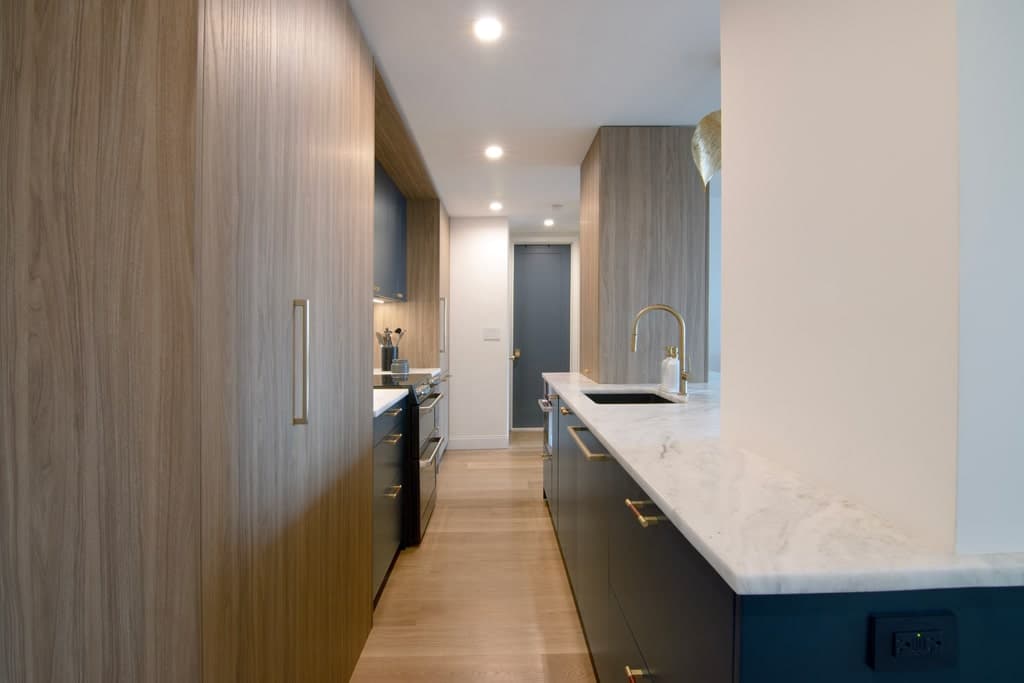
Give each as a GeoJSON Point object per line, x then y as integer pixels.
{"type": "Point", "coordinates": [670, 371]}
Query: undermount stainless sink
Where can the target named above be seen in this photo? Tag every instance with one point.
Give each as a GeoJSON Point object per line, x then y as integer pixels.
{"type": "Point", "coordinates": [612, 398]}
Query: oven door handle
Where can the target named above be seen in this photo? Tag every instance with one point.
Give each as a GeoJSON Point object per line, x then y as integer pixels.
{"type": "Point", "coordinates": [424, 408]}
{"type": "Point", "coordinates": [429, 462]}
{"type": "Point", "coordinates": [545, 405]}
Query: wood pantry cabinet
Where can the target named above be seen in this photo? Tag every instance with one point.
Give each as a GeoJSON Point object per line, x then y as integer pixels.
{"type": "Point", "coordinates": [653, 609]}
{"type": "Point", "coordinates": [165, 516]}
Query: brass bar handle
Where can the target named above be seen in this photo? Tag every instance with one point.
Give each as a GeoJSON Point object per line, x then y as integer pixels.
{"type": "Point", "coordinates": [394, 492]}
{"type": "Point", "coordinates": [395, 412]}
{"type": "Point", "coordinates": [301, 416]}
{"type": "Point", "coordinates": [564, 411]}
{"type": "Point", "coordinates": [587, 453]}
{"type": "Point", "coordinates": [644, 520]}
{"type": "Point", "coordinates": [633, 674]}
{"type": "Point", "coordinates": [545, 457]}
{"type": "Point", "coordinates": [393, 439]}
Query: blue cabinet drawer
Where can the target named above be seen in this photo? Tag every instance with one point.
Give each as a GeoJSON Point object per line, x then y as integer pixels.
{"type": "Point", "coordinates": [677, 607]}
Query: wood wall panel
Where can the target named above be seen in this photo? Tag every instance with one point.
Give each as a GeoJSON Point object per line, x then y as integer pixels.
{"type": "Point", "coordinates": [285, 212]}
{"type": "Point", "coordinates": [99, 467]}
{"type": "Point", "coordinates": [590, 261]}
{"type": "Point", "coordinates": [648, 236]}
{"type": "Point", "coordinates": [396, 149]}
{"type": "Point", "coordinates": [420, 313]}
{"type": "Point", "coordinates": [445, 286]}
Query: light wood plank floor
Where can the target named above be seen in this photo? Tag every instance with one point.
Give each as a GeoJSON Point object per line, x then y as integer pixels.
{"type": "Point", "coordinates": [485, 597]}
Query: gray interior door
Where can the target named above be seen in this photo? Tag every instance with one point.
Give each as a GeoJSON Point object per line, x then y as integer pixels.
{"type": "Point", "coordinates": [540, 326]}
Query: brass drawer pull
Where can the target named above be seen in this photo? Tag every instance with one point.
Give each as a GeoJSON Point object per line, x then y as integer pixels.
{"type": "Point", "coordinates": [393, 439]}
{"type": "Point", "coordinates": [564, 411]}
{"type": "Point", "coordinates": [394, 492]}
{"type": "Point", "coordinates": [633, 674]}
{"type": "Point", "coordinates": [395, 412]}
{"type": "Point", "coordinates": [545, 457]}
{"type": "Point", "coordinates": [587, 453]}
{"type": "Point", "coordinates": [644, 520]}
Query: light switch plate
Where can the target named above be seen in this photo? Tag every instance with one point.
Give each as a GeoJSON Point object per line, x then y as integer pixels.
{"type": "Point", "coordinates": [492, 334]}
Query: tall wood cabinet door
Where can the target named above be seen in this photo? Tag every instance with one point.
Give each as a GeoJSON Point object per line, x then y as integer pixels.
{"type": "Point", "coordinates": [285, 214]}
{"type": "Point", "coordinates": [99, 451]}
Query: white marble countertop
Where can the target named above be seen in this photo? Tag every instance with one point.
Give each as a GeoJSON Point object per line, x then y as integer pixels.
{"type": "Point", "coordinates": [433, 372]}
{"type": "Point", "coordinates": [385, 398]}
{"type": "Point", "coordinates": [763, 529]}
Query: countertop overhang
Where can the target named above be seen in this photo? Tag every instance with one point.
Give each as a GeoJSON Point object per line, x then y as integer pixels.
{"type": "Point", "coordinates": [383, 399]}
{"type": "Point", "coordinates": [762, 528]}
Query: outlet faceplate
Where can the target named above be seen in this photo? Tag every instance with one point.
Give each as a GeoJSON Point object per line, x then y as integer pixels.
{"type": "Point", "coordinates": [913, 642]}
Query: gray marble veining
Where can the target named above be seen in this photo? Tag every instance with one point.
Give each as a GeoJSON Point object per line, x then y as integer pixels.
{"type": "Point", "coordinates": [763, 529]}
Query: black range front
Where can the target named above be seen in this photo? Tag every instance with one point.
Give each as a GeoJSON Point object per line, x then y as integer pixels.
{"type": "Point", "coordinates": [422, 448]}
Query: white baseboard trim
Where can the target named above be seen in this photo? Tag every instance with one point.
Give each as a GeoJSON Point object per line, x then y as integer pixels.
{"type": "Point", "coordinates": [478, 443]}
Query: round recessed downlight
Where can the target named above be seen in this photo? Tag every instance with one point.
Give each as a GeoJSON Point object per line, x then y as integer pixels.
{"type": "Point", "coordinates": [496, 206]}
{"type": "Point", "coordinates": [487, 29]}
{"type": "Point", "coordinates": [549, 222]}
{"type": "Point", "coordinates": [494, 152]}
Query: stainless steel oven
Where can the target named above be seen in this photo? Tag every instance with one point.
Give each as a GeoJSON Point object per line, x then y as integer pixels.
{"type": "Point", "coordinates": [430, 444]}
{"type": "Point", "coordinates": [549, 405]}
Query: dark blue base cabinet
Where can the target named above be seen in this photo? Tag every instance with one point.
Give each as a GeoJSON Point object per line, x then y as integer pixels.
{"type": "Point", "coordinates": [653, 609]}
{"type": "Point", "coordinates": [388, 458]}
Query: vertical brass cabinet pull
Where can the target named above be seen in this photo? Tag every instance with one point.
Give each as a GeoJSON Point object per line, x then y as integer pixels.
{"type": "Point", "coordinates": [574, 432]}
{"type": "Point", "coordinates": [300, 399]}
{"type": "Point", "coordinates": [633, 674]}
{"type": "Point", "coordinates": [564, 411]}
{"type": "Point", "coordinates": [644, 520]}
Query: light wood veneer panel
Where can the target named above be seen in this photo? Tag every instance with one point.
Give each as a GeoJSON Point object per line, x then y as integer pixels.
{"type": "Point", "coordinates": [285, 212]}
{"type": "Point", "coordinates": [648, 236]}
{"type": "Point", "coordinates": [427, 275]}
{"type": "Point", "coordinates": [419, 313]}
{"type": "Point", "coordinates": [99, 452]}
{"type": "Point", "coordinates": [590, 261]}
{"type": "Point", "coordinates": [396, 149]}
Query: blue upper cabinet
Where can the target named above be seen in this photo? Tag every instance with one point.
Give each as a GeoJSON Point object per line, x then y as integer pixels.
{"type": "Point", "coordinates": [388, 238]}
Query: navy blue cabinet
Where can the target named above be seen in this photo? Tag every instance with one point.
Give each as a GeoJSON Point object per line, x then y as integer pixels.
{"type": "Point", "coordinates": [654, 610]}
{"type": "Point", "coordinates": [389, 431]}
{"type": "Point", "coordinates": [389, 236]}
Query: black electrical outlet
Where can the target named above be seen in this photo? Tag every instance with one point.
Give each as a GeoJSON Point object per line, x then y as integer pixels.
{"type": "Point", "coordinates": [913, 642]}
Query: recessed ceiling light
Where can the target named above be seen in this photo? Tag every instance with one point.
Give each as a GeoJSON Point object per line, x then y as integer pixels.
{"type": "Point", "coordinates": [549, 222]}
{"type": "Point", "coordinates": [496, 206]}
{"type": "Point", "coordinates": [494, 152]}
{"type": "Point", "coordinates": [487, 29]}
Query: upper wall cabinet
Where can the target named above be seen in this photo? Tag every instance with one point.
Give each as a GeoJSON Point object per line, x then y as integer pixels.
{"type": "Point", "coordinates": [389, 231]}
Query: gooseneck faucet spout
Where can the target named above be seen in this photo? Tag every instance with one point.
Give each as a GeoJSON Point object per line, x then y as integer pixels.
{"type": "Point", "coordinates": [683, 376]}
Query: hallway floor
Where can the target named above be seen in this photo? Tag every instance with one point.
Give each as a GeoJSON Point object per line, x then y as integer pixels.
{"type": "Point", "coordinates": [485, 597]}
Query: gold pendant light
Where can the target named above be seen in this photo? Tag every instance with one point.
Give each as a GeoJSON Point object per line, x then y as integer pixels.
{"type": "Point", "coordinates": [706, 146]}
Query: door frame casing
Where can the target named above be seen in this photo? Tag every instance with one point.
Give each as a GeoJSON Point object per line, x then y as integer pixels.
{"type": "Point", "coordinates": [573, 240]}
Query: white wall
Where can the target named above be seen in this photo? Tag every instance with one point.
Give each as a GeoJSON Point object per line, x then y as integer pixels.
{"type": "Point", "coordinates": [990, 506]}
{"type": "Point", "coordinates": [479, 300]}
{"type": "Point", "coordinates": [840, 236]}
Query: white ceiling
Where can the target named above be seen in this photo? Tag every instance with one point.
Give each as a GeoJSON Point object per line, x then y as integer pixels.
{"type": "Point", "coordinates": [562, 69]}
